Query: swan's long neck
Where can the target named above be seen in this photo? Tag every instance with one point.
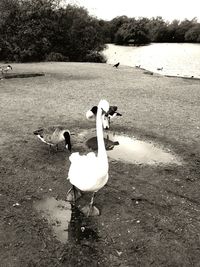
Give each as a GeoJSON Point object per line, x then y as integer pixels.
{"type": "Point", "coordinates": [100, 138]}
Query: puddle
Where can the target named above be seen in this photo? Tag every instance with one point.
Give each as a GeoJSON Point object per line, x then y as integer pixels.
{"type": "Point", "coordinates": [58, 214]}
{"type": "Point", "coordinates": [131, 150]}
{"type": "Point", "coordinates": [67, 221]}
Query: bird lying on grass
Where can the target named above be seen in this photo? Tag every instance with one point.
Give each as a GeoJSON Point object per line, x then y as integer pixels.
{"type": "Point", "coordinates": [89, 173]}
{"type": "Point", "coordinates": [52, 136]}
{"type": "Point", "coordinates": [112, 112]}
{"type": "Point", "coordinates": [5, 69]}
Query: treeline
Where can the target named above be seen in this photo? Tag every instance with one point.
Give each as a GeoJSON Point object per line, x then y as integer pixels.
{"type": "Point", "coordinates": [39, 30]}
{"type": "Point", "coordinates": [124, 31]}
{"type": "Point", "coordinates": [44, 30]}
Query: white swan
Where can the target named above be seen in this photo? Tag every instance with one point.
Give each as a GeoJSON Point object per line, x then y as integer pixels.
{"type": "Point", "coordinates": [89, 173]}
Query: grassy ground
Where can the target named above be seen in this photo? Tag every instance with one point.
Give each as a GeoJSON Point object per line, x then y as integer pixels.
{"type": "Point", "coordinates": [150, 215]}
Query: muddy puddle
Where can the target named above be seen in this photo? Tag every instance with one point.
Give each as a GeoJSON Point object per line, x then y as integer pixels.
{"type": "Point", "coordinates": [67, 222]}
{"type": "Point", "coordinates": [129, 149]}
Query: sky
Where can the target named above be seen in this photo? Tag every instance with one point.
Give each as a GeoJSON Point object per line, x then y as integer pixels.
{"type": "Point", "coordinates": [167, 9]}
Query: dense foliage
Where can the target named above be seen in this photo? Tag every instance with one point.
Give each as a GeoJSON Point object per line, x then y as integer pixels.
{"type": "Point", "coordinates": [126, 31]}
{"type": "Point", "coordinates": [37, 30]}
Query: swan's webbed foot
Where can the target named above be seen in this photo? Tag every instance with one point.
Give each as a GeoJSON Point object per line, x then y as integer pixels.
{"type": "Point", "coordinates": [73, 194]}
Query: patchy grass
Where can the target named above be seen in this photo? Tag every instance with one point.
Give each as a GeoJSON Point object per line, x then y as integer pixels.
{"type": "Point", "coordinates": [149, 214]}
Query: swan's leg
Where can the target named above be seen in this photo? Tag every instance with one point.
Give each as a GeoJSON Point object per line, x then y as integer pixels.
{"type": "Point", "coordinates": [92, 199]}
{"type": "Point", "coordinates": [73, 194]}
{"type": "Point", "coordinates": [90, 210]}
{"type": "Point", "coordinates": [57, 147]}
{"type": "Point", "coordinates": [91, 204]}
{"type": "Point", "coordinates": [77, 193]}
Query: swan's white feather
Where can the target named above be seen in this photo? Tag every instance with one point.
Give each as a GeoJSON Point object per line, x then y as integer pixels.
{"type": "Point", "coordinates": [88, 172]}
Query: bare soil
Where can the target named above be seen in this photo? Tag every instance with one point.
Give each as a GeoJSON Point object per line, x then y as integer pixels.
{"type": "Point", "coordinates": [150, 214]}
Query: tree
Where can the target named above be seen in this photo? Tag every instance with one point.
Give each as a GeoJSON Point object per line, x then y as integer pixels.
{"type": "Point", "coordinates": [182, 28]}
{"type": "Point", "coordinates": [193, 34]}
{"type": "Point", "coordinates": [115, 24]}
{"type": "Point", "coordinates": [133, 32]}
{"type": "Point", "coordinates": [34, 30]}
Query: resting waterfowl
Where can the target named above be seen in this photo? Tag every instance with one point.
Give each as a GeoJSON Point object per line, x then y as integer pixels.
{"type": "Point", "coordinates": [52, 136]}
{"type": "Point", "coordinates": [5, 69]}
{"type": "Point", "coordinates": [112, 112]}
{"type": "Point", "coordinates": [89, 173]}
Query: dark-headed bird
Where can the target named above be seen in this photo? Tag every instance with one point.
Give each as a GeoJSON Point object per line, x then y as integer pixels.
{"type": "Point", "coordinates": [116, 65]}
{"type": "Point", "coordinates": [52, 136]}
{"type": "Point", "coordinates": [5, 69]}
{"type": "Point", "coordinates": [112, 112]}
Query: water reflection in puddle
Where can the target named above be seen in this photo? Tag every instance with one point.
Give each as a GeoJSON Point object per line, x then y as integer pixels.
{"type": "Point", "coordinates": [58, 214]}
{"type": "Point", "coordinates": [131, 150]}
{"type": "Point", "coordinates": [67, 221]}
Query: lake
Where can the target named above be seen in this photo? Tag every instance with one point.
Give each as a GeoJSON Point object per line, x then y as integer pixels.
{"type": "Point", "coordinates": [176, 59]}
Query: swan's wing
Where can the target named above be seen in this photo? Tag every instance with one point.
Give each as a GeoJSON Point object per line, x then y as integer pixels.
{"type": "Point", "coordinates": [86, 172]}
{"type": "Point", "coordinates": [78, 159]}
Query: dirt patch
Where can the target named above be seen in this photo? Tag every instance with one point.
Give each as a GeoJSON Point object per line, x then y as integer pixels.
{"type": "Point", "coordinates": [150, 214]}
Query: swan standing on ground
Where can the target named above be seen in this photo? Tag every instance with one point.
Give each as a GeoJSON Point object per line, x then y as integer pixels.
{"type": "Point", "coordinates": [112, 112]}
{"type": "Point", "coordinates": [52, 136]}
{"type": "Point", "coordinates": [89, 173]}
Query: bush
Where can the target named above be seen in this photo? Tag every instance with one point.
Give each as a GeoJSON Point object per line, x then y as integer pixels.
{"type": "Point", "coordinates": [95, 56]}
{"type": "Point", "coordinates": [53, 56]}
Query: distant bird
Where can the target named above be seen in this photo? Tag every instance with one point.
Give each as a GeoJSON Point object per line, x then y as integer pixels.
{"type": "Point", "coordinates": [138, 66]}
{"type": "Point", "coordinates": [89, 173]}
{"type": "Point", "coordinates": [160, 68]}
{"type": "Point", "coordinates": [52, 136]}
{"type": "Point", "coordinates": [90, 114]}
{"type": "Point", "coordinates": [116, 65]}
{"type": "Point", "coordinates": [5, 69]}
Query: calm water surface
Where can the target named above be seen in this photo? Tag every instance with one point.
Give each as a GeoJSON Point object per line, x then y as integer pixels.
{"type": "Point", "coordinates": [176, 59]}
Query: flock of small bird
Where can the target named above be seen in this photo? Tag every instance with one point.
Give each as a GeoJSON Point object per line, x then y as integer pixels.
{"type": "Point", "coordinates": [87, 173]}
{"type": "Point", "coordinates": [137, 66]}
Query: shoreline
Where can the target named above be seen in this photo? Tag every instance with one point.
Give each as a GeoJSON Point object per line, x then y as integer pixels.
{"type": "Point", "coordinates": [166, 75]}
